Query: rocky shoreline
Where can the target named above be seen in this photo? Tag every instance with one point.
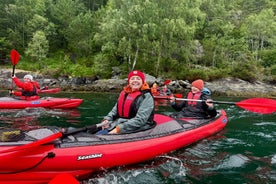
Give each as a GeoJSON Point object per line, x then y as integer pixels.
{"type": "Point", "coordinates": [225, 86]}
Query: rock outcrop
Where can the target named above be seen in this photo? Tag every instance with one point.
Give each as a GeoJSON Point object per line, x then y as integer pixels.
{"type": "Point", "coordinates": [225, 86]}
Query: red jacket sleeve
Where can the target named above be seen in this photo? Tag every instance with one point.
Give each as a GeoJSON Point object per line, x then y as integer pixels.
{"type": "Point", "coordinates": [17, 93]}
{"type": "Point", "coordinates": [26, 86]}
{"type": "Point", "coordinates": [36, 85]}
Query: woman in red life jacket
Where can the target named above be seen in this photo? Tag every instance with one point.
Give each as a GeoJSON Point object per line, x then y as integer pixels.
{"type": "Point", "coordinates": [134, 109]}
{"type": "Point", "coordinates": [202, 109]}
{"type": "Point", "coordinates": [28, 88]}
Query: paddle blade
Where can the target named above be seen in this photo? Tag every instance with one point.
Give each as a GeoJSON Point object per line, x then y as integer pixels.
{"type": "Point", "coordinates": [258, 105]}
{"type": "Point", "coordinates": [15, 56]}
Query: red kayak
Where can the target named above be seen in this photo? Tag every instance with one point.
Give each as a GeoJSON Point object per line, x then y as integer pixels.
{"type": "Point", "coordinates": [82, 153]}
{"type": "Point", "coordinates": [51, 90]}
{"type": "Point", "coordinates": [46, 102]}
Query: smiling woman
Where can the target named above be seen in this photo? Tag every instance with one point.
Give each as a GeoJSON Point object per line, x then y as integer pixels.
{"type": "Point", "coordinates": [134, 109]}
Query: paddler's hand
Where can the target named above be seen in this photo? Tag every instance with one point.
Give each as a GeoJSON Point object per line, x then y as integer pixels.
{"type": "Point", "coordinates": [105, 123]}
{"type": "Point", "coordinates": [209, 103]}
{"type": "Point", "coordinates": [63, 130]}
{"type": "Point", "coordinates": [172, 99]}
{"type": "Point", "coordinates": [11, 92]}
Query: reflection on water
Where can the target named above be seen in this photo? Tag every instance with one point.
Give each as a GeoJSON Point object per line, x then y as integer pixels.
{"type": "Point", "coordinates": [244, 152]}
{"type": "Point", "coordinates": [31, 118]}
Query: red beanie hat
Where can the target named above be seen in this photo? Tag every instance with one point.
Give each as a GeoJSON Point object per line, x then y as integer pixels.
{"type": "Point", "coordinates": [198, 84]}
{"type": "Point", "coordinates": [136, 73]}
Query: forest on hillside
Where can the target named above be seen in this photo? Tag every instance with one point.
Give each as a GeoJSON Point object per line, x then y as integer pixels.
{"type": "Point", "coordinates": [177, 39]}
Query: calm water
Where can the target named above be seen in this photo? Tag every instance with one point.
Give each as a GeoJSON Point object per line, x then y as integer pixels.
{"type": "Point", "coordinates": [244, 152]}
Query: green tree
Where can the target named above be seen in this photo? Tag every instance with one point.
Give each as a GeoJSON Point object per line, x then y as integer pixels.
{"type": "Point", "coordinates": [20, 14]}
{"type": "Point", "coordinates": [94, 5]}
{"type": "Point", "coordinates": [62, 13]}
{"type": "Point", "coordinates": [80, 33]}
{"type": "Point", "coordinates": [222, 36]}
{"type": "Point", "coordinates": [141, 32]}
{"type": "Point", "coordinates": [4, 20]}
{"type": "Point", "coordinates": [261, 30]}
{"type": "Point", "coordinates": [38, 48]}
{"type": "Point", "coordinates": [39, 22]}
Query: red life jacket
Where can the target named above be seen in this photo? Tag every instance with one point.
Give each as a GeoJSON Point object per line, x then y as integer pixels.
{"type": "Point", "coordinates": [126, 104]}
{"type": "Point", "coordinates": [192, 96]}
{"type": "Point", "coordinates": [30, 93]}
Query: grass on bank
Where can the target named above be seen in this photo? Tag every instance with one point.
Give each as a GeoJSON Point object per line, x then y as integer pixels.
{"type": "Point", "coordinates": [62, 64]}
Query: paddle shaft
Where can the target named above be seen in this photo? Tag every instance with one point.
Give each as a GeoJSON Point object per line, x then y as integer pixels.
{"type": "Point", "coordinates": [91, 128]}
{"type": "Point", "coordinates": [13, 70]}
{"type": "Point", "coordinates": [215, 102]}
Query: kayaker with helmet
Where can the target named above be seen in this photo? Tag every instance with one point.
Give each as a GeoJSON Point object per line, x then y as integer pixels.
{"type": "Point", "coordinates": [28, 88]}
{"type": "Point", "coordinates": [134, 109]}
{"type": "Point", "coordinates": [201, 109]}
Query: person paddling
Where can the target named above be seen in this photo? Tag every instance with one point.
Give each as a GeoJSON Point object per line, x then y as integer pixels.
{"type": "Point", "coordinates": [28, 88]}
{"type": "Point", "coordinates": [204, 109]}
{"type": "Point", "coordinates": [134, 109]}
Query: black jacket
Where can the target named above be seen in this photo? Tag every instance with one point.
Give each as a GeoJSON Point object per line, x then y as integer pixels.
{"type": "Point", "coordinates": [201, 110]}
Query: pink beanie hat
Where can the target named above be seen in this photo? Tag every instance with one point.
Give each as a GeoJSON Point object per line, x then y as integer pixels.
{"type": "Point", "coordinates": [198, 84]}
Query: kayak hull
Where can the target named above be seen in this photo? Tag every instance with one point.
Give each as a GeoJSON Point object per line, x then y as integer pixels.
{"type": "Point", "coordinates": [46, 102]}
{"type": "Point", "coordinates": [80, 155]}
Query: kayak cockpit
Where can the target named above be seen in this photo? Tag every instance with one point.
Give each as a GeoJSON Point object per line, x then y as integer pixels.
{"type": "Point", "coordinates": [162, 129]}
